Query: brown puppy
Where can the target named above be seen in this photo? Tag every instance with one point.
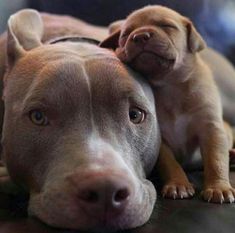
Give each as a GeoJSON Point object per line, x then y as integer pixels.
{"type": "Point", "coordinates": [164, 46]}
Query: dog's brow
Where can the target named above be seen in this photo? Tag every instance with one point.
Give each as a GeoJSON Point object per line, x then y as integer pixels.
{"type": "Point", "coordinates": [129, 29]}
{"type": "Point", "coordinates": [34, 103]}
{"type": "Point", "coordinates": [47, 97]}
{"type": "Point", "coordinates": [134, 97]}
{"type": "Point", "coordinates": [164, 22]}
{"type": "Point", "coordinates": [35, 100]}
{"type": "Point", "coordinates": [139, 101]}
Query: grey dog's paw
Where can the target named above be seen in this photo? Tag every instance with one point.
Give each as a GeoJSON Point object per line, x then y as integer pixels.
{"type": "Point", "coordinates": [220, 193]}
{"type": "Point", "coordinates": [178, 190]}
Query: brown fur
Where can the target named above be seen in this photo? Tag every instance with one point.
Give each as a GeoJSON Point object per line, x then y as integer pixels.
{"type": "Point", "coordinates": [55, 26]}
{"type": "Point", "coordinates": [165, 46]}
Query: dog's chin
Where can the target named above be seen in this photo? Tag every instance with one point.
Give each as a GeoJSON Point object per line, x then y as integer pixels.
{"type": "Point", "coordinates": [58, 209]}
{"type": "Point", "coordinates": [151, 63]}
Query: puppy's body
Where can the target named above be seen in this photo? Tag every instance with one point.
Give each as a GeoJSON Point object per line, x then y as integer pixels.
{"type": "Point", "coordinates": [183, 106]}
{"type": "Point", "coordinates": [224, 76]}
{"type": "Point", "coordinates": [164, 46]}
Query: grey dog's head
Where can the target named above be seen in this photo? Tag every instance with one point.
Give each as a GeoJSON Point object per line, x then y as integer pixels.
{"type": "Point", "coordinates": [80, 131]}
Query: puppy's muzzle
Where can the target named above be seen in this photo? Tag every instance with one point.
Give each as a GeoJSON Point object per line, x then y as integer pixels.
{"type": "Point", "coordinates": [152, 41]}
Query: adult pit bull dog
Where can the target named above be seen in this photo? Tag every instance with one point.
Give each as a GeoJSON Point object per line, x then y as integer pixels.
{"type": "Point", "coordinates": [80, 131]}
{"type": "Point", "coordinates": [165, 46]}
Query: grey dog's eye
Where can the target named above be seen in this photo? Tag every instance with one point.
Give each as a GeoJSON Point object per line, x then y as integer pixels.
{"type": "Point", "coordinates": [38, 117]}
{"type": "Point", "coordinates": [137, 115]}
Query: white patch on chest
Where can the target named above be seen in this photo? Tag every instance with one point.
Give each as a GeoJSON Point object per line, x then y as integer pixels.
{"type": "Point", "coordinates": [181, 128]}
{"type": "Point", "coordinates": [176, 132]}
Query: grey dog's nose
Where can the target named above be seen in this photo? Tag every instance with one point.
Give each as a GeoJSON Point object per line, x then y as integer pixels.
{"type": "Point", "coordinates": [104, 192]}
{"type": "Point", "coordinates": [104, 195]}
{"type": "Point", "coordinates": [141, 37]}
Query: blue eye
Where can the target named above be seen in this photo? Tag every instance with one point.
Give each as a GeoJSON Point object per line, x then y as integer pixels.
{"type": "Point", "coordinates": [38, 117]}
{"type": "Point", "coordinates": [136, 115]}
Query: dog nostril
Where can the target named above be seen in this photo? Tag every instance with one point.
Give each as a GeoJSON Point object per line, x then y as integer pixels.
{"type": "Point", "coordinates": [121, 195]}
{"type": "Point", "coordinates": [89, 196]}
{"type": "Point", "coordinates": [141, 37]}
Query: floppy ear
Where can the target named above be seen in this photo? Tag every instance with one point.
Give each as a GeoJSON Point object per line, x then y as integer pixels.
{"type": "Point", "coordinates": [112, 42]}
{"type": "Point", "coordinates": [113, 27]}
{"type": "Point", "coordinates": [194, 40]}
{"type": "Point", "coordinates": [25, 30]}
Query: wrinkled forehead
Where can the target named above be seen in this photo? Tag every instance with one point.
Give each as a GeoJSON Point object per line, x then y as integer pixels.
{"type": "Point", "coordinates": [153, 14]}
{"type": "Point", "coordinates": [95, 72]}
{"type": "Point", "coordinates": [76, 69]}
{"type": "Point", "coordinates": [88, 63]}
{"type": "Point", "coordinates": [52, 58]}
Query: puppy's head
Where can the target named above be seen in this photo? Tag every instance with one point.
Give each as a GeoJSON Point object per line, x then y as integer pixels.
{"type": "Point", "coordinates": [154, 38]}
{"type": "Point", "coordinates": [80, 132]}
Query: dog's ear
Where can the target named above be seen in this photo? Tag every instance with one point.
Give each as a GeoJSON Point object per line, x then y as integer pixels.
{"type": "Point", "coordinates": [25, 30]}
{"type": "Point", "coordinates": [116, 25]}
{"type": "Point", "coordinates": [112, 42]}
{"type": "Point", "coordinates": [195, 41]}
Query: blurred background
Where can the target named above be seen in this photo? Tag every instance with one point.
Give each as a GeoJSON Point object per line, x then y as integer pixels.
{"type": "Point", "coordinates": [214, 19]}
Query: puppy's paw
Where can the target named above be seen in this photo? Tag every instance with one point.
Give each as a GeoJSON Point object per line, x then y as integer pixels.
{"type": "Point", "coordinates": [174, 190]}
{"type": "Point", "coordinates": [220, 193]}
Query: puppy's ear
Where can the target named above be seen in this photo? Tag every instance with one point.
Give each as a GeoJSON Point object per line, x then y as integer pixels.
{"type": "Point", "coordinates": [194, 40]}
{"type": "Point", "coordinates": [112, 42]}
{"type": "Point", "coordinates": [25, 30]}
{"type": "Point", "coordinates": [113, 27]}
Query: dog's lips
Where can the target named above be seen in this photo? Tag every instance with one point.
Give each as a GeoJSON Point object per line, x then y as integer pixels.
{"type": "Point", "coordinates": [154, 55]}
{"type": "Point", "coordinates": [148, 61]}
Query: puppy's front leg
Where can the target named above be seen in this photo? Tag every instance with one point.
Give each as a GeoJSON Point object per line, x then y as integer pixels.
{"type": "Point", "coordinates": [214, 148]}
{"type": "Point", "coordinates": [176, 183]}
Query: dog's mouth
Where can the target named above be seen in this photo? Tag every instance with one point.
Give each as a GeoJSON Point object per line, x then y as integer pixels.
{"type": "Point", "coordinates": [47, 208]}
{"type": "Point", "coordinates": [148, 61]}
{"type": "Point", "coordinates": [158, 57]}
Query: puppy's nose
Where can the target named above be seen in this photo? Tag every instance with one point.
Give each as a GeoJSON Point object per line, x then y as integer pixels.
{"type": "Point", "coordinates": [141, 37]}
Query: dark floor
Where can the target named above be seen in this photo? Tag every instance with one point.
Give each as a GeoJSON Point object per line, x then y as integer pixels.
{"type": "Point", "coordinates": [170, 216]}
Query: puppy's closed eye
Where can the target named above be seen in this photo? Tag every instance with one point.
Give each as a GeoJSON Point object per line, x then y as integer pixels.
{"type": "Point", "coordinates": [168, 26]}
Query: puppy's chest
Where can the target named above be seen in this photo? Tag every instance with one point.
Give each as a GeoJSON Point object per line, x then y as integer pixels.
{"type": "Point", "coordinates": [176, 129]}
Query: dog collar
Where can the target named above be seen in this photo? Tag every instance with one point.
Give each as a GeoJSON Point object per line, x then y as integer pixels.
{"type": "Point", "coordinates": [75, 39]}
